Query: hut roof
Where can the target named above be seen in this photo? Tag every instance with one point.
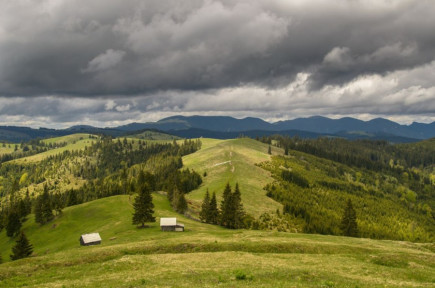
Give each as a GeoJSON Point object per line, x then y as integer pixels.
{"type": "Point", "coordinates": [92, 237]}
{"type": "Point", "coordinates": [168, 221]}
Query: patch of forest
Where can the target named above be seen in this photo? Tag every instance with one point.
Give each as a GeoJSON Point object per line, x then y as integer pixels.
{"type": "Point", "coordinates": [392, 187]}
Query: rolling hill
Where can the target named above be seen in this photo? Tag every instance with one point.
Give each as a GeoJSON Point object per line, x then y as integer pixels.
{"type": "Point", "coordinates": [395, 197]}
{"type": "Point", "coordinates": [204, 255]}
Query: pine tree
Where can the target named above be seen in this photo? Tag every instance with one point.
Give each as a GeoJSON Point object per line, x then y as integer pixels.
{"type": "Point", "coordinates": [43, 209]}
{"type": "Point", "coordinates": [348, 222]}
{"type": "Point", "coordinates": [238, 210]}
{"type": "Point", "coordinates": [58, 203]}
{"type": "Point", "coordinates": [22, 249]}
{"type": "Point", "coordinates": [13, 224]}
{"type": "Point", "coordinates": [213, 215]}
{"type": "Point", "coordinates": [179, 202]}
{"type": "Point", "coordinates": [143, 206]}
{"type": "Point", "coordinates": [205, 208]}
{"type": "Point", "coordinates": [226, 213]}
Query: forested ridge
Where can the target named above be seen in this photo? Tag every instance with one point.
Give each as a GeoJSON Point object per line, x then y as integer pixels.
{"type": "Point", "coordinates": [392, 187]}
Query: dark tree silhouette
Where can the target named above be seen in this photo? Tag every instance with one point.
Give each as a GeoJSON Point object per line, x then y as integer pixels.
{"type": "Point", "coordinates": [348, 222]}
{"type": "Point", "coordinates": [22, 249]}
{"type": "Point", "coordinates": [143, 206]}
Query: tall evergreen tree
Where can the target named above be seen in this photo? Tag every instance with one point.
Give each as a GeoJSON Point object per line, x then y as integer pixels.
{"type": "Point", "coordinates": [348, 222]}
{"type": "Point", "coordinates": [205, 208]}
{"type": "Point", "coordinates": [13, 224]}
{"type": "Point", "coordinates": [179, 202]}
{"type": "Point", "coordinates": [43, 210]}
{"type": "Point", "coordinates": [22, 249]}
{"type": "Point", "coordinates": [213, 215]}
{"type": "Point", "coordinates": [237, 208]}
{"type": "Point", "coordinates": [143, 206]}
{"type": "Point", "coordinates": [226, 213]}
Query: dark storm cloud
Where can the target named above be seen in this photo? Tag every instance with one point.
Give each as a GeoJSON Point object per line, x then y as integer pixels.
{"type": "Point", "coordinates": [250, 58]}
{"type": "Point", "coordinates": [124, 47]}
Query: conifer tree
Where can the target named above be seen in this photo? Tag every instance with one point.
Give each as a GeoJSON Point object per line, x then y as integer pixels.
{"type": "Point", "coordinates": [13, 224]}
{"type": "Point", "coordinates": [205, 208]}
{"type": "Point", "coordinates": [143, 206]}
{"type": "Point", "coordinates": [179, 202]}
{"type": "Point", "coordinates": [43, 210]}
{"type": "Point", "coordinates": [22, 249]}
{"type": "Point", "coordinates": [237, 208]}
{"type": "Point", "coordinates": [269, 150]}
{"type": "Point", "coordinates": [226, 213]}
{"type": "Point", "coordinates": [213, 215]}
{"type": "Point", "coordinates": [348, 222]}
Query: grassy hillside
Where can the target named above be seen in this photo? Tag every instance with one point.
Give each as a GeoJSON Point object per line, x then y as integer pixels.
{"type": "Point", "coordinates": [204, 255]}
{"type": "Point", "coordinates": [233, 161]}
{"type": "Point", "coordinates": [73, 142]}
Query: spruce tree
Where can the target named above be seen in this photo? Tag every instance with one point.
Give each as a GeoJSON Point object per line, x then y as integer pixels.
{"type": "Point", "coordinates": [226, 213]}
{"type": "Point", "coordinates": [179, 202]}
{"type": "Point", "coordinates": [43, 208]}
{"type": "Point", "coordinates": [22, 249]}
{"type": "Point", "coordinates": [143, 206]}
{"type": "Point", "coordinates": [213, 215]}
{"type": "Point", "coordinates": [348, 222]}
{"type": "Point", "coordinates": [205, 208]}
{"type": "Point", "coordinates": [237, 208]}
{"type": "Point", "coordinates": [13, 224]}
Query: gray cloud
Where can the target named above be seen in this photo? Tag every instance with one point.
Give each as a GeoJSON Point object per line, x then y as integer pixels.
{"type": "Point", "coordinates": [274, 59]}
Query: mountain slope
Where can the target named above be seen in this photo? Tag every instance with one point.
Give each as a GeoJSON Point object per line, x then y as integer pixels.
{"type": "Point", "coordinates": [233, 161]}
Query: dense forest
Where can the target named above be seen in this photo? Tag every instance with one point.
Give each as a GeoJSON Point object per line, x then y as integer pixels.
{"type": "Point", "coordinates": [392, 186]}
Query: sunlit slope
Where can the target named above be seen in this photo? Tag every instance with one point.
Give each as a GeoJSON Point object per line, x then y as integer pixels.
{"type": "Point", "coordinates": [111, 217]}
{"type": "Point", "coordinates": [233, 161]}
{"type": "Point", "coordinates": [204, 255]}
{"type": "Point", "coordinates": [74, 142]}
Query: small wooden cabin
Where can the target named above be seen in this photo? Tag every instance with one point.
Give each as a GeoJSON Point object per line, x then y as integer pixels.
{"type": "Point", "coordinates": [90, 239]}
{"type": "Point", "coordinates": [170, 224]}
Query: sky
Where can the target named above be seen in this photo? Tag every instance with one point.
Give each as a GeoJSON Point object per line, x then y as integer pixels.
{"type": "Point", "coordinates": [108, 63]}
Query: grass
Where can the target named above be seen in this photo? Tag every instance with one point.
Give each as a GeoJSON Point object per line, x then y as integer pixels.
{"type": "Point", "coordinates": [75, 142]}
{"type": "Point", "coordinates": [233, 161]}
{"type": "Point", "coordinates": [204, 255]}
{"type": "Point", "coordinates": [9, 148]}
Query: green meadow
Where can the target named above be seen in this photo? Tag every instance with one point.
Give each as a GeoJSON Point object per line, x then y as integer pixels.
{"type": "Point", "coordinates": [233, 161]}
{"type": "Point", "coordinates": [204, 255]}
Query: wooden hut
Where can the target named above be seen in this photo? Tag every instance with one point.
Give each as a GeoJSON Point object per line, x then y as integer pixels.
{"type": "Point", "coordinates": [90, 239]}
{"type": "Point", "coordinates": [170, 224]}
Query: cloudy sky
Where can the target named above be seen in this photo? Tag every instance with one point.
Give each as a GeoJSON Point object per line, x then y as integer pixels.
{"type": "Point", "coordinates": [107, 62]}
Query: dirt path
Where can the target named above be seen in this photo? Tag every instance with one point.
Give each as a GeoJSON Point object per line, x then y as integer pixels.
{"type": "Point", "coordinates": [222, 163]}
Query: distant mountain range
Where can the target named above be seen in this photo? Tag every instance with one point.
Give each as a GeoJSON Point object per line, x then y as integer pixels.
{"type": "Point", "coordinates": [228, 127]}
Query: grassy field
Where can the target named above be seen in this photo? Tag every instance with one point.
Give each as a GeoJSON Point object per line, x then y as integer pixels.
{"type": "Point", "coordinates": [204, 255]}
{"type": "Point", "coordinates": [9, 148]}
{"type": "Point", "coordinates": [74, 142]}
{"type": "Point", "coordinates": [233, 161]}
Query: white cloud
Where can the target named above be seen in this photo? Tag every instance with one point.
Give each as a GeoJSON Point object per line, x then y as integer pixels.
{"type": "Point", "coordinates": [104, 61]}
